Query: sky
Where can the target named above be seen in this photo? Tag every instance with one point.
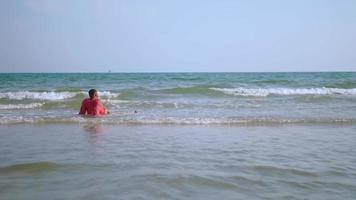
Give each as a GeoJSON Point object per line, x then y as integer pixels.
{"type": "Point", "coordinates": [177, 35]}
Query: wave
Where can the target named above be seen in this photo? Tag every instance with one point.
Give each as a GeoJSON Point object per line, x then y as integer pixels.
{"type": "Point", "coordinates": [266, 169]}
{"type": "Point", "coordinates": [132, 119]}
{"type": "Point", "coordinates": [262, 92]}
{"type": "Point", "coordinates": [42, 166]}
{"type": "Point", "coordinates": [107, 94]}
{"type": "Point", "coordinates": [199, 90]}
{"type": "Point", "coordinates": [50, 96]}
{"type": "Point", "coordinates": [273, 81]}
{"type": "Point", "coordinates": [20, 95]}
{"type": "Point", "coordinates": [30, 167]}
{"type": "Point", "coordinates": [20, 106]}
{"type": "Point", "coordinates": [188, 90]}
{"type": "Point", "coordinates": [258, 92]}
{"type": "Point", "coordinates": [345, 84]}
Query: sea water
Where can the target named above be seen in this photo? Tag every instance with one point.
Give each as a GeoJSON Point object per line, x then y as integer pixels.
{"type": "Point", "coordinates": [181, 98]}
{"type": "Point", "coordinates": [102, 161]}
{"type": "Point", "coordinates": [179, 136]}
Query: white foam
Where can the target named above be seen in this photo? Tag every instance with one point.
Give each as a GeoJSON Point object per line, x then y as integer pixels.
{"type": "Point", "coordinates": [50, 96]}
{"type": "Point", "coordinates": [108, 94]}
{"type": "Point", "coordinates": [116, 101]}
{"type": "Point", "coordinates": [20, 106]}
{"type": "Point", "coordinates": [262, 92]}
{"type": "Point", "coordinates": [168, 120]}
{"type": "Point", "coordinates": [20, 95]}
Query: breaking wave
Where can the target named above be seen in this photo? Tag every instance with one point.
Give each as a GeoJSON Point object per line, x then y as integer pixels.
{"type": "Point", "coordinates": [20, 95]}
{"type": "Point", "coordinates": [107, 94]}
{"type": "Point", "coordinates": [258, 92]}
{"type": "Point", "coordinates": [49, 96]}
{"type": "Point", "coordinates": [20, 106]}
{"type": "Point", "coordinates": [262, 92]}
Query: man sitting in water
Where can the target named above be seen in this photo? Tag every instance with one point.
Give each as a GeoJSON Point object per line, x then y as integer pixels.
{"type": "Point", "coordinates": [93, 106]}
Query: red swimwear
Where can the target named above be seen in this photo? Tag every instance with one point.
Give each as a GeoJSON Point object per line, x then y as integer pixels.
{"type": "Point", "coordinates": [92, 107]}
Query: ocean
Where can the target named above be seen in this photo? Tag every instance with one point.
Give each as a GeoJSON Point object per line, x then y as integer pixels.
{"type": "Point", "coordinates": [179, 136]}
{"type": "Point", "coordinates": [181, 98]}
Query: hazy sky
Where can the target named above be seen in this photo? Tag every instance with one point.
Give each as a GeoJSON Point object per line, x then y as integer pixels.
{"type": "Point", "coordinates": [181, 35]}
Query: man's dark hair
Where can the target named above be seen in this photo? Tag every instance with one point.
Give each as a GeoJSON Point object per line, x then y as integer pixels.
{"type": "Point", "coordinates": [92, 93]}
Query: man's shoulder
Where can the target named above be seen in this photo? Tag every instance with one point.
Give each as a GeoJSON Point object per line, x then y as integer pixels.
{"type": "Point", "coordinates": [86, 100]}
{"type": "Point", "coordinates": [95, 101]}
{"type": "Point", "coordinates": [89, 100]}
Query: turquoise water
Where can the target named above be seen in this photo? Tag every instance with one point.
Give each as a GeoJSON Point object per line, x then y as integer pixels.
{"type": "Point", "coordinates": [182, 98]}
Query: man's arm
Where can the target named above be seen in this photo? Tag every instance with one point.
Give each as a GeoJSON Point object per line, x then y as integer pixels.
{"type": "Point", "coordinates": [100, 109]}
{"type": "Point", "coordinates": [82, 109]}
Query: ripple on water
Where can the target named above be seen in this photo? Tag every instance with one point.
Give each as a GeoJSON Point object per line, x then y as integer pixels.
{"type": "Point", "coordinates": [44, 166]}
{"type": "Point", "coordinates": [179, 181]}
{"type": "Point", "coordinates": [273, 170]}
{"type": "Point", "coordinates": [30, 167]}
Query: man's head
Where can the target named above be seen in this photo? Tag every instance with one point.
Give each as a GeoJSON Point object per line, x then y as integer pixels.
{"type": "Point", "coordinates": [93, 93]}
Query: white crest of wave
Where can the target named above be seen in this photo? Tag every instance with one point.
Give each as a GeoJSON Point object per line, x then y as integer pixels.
{"type": "Point", "coordinates": [262, 92]}
{"type": "Point", "coordinates": [108, 94]}
{"type": "Point", "coordinates": [20, 95]}
{"type": "Point", "coordinates": [20, 106]}
{"type": "Point", "coordinates": [51, 96]}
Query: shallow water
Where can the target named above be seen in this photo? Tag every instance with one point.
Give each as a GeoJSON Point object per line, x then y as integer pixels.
{"type": "Point", "coordinates": [101, 161]}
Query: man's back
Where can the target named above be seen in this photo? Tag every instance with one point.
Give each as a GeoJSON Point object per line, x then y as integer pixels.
{"type": "Point", "coordinates": [92, 107]}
